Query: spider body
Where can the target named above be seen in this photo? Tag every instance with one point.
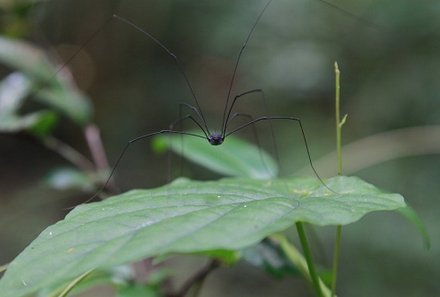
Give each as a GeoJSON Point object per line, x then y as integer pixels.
{"type": "Point", "coordinates": [216, 138]}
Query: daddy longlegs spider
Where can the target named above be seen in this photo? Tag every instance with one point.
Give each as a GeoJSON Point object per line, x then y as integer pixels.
{"type": "Point", "coordinates": [195, 114]}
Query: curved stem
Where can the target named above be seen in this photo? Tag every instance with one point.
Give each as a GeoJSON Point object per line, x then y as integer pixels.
{"type": "Point", "coordinates": [70, 286]}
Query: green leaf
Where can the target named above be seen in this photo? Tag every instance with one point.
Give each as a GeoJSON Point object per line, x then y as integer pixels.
{"type": "Point", "coordinates": [55, 89]}
{"type": "Point", "coordinates": [185, 217]}
{"type": "Point", "coordinates": [409, 213]}
{"type": "Point", "coordinates": [235, 157]}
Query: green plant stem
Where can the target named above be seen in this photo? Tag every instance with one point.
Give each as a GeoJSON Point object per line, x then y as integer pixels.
{"type": "Point", "coordinates": [308, 255]}
{"type": "Point", "coordinates": [297, 259]}
{"type": "Point", "coordinates": [339, 124]}
{"type": "Point", "coordinates": [338, 117]}
{"type": "Point", "coordinates": [336, 253]}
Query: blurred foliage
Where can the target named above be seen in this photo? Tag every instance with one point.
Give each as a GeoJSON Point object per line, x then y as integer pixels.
{"type": "Point", "coordinates": [388, 55]}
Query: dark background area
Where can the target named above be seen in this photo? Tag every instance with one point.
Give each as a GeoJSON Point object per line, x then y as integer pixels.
{"type": "Point", "coordinates": [388, 53]}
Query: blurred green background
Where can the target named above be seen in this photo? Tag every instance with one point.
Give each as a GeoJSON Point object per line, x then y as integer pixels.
{"type": "Point", "coordinates": [388, 53]}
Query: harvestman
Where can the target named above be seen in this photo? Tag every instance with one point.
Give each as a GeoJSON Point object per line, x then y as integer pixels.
{"type": "Point", "coordinates": [196, 115]}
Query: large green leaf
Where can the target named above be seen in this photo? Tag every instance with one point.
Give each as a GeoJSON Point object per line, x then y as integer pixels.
{"type": "Point", "coordinates": [235, 157]}
{"type": "Point", "coordinates": [185, 217]}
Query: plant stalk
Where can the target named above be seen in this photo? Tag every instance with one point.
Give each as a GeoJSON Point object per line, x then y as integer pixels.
{"type": "Point", "coordinates": [298, 260]}
{"type": "Point", "coordinates": [339, 124]}
{"type": "Point", "coordinates": [338, 117]}
{"type": "Point", "coordinates": [309, 260]}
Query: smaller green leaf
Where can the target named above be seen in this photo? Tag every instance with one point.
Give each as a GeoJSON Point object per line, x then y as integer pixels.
{"type": "Point", "coordinates": [409, 213]}
{"type": "Point", "coordinates": [235, 157]}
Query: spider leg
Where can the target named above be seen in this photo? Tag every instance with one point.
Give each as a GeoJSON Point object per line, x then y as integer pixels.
{"type": "Point", "coordinates": [180, 121]}
{"type": "Point", "coordinates": [273, 118]}
{"type": "Point", "coordinates": [171, 54]}
{"type": "Point", "coordinates": [257, 140]}
{"type": "Point", "coordinates": [227, 116]}
{"type": "Point", "coordinates": [237, 62]}
{"type": "Point", "coordinates": [124, 150]}
{"type": "Point", "coordinates": [266, 109]}
{"type": "Point", "coordinates": [196, 111]}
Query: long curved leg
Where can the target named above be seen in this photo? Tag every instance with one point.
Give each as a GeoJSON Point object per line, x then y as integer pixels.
{"type": "Point", "coordinates": [180, 121]}
{"type": "Point", "coordinates": [257, 140]}
{"type": "Point", "coordinates": [272, 118]}
{"type": "Point", "coordinates": [190, 117]}
{"type": "Point", "coordinates": [266, 109]}
{"type": "Point", "coordinates": [199, 115]}
{"type": "Point", "coordinates": [237, 62]}
{"type": "Point", "coordinates": [118, 160]}
{"type": "Point", "coordinates": [172, 55]}
{"type": "Point", "coordinates": [227, 116]}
